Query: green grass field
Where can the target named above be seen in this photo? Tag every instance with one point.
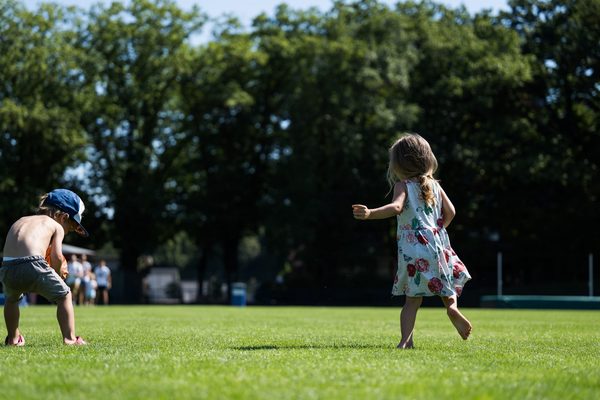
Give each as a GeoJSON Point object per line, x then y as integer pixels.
{"type": "Point", "coordinates": [178, 352]}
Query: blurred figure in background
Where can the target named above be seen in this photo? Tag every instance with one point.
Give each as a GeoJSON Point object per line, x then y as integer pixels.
{"type": "Point", "coordinates": [103, 282]}
{"type": "Point", "coordinates": [74, 278]}
{"type": "Point", "coordinates": [89, 286]}
{"type": "Point", "coordinates": [83, 290]}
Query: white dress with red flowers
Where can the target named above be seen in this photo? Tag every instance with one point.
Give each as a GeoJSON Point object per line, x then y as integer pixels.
{"type": "Point", "coordinates": [427, 264]}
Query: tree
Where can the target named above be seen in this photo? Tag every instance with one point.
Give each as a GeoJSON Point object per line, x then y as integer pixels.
{"type": "Point", "coordinates": [40, 135]}
{"type": "Point", "coordinates": [231, 127]}
{"type": "Point", "coordinates": [562, 103]}
{"type": "Point", "coordinates": [134, 57]}
{"type": "Point", "coordinates": [346, 77]}
{"type": "Point", "coordinates": [467, 84]}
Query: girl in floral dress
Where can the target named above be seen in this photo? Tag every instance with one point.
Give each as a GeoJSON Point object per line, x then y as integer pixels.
{"type": "Point", "coordinates": [427, 264]}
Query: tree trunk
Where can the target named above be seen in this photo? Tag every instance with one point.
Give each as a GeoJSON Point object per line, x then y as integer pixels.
{"type": "Point", "coordinates": [230, 261]}
{"type": "Point", "coordinates": [201, 270]}
{"type": "Point", "coordinates": [132, 293]}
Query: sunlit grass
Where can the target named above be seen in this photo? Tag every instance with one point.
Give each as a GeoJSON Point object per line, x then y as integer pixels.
{"type": "Point", "coordinates": [178, 352]}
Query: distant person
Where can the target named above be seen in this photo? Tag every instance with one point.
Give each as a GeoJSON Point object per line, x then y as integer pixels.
{"type": "Point", "coordinates": [86, 268]}
{"type": "Point", "coordinates": [24, 268]}
{"type": "Point", "coordinates": [90, 287]}
{"type": "Point", "coordinates": [427, 264]}
{"type": "Point", "coordinates": [103, 281]}
{"type": "Point", "coordinates": [75, 277]}
{"type": "Point", "coordinates": [251, 290]}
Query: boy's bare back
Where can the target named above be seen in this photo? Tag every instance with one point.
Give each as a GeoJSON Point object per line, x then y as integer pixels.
{"type": "Point", "coordinates": [31, 236]}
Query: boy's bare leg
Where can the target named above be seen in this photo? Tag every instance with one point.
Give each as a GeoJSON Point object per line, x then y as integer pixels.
{"type": "Point", "coordinates": [12, 314]}
{"type": "Point", "coordinates": [408, 316]}
{"type": "Point", "coordinates": [462, 324]}
{"type": "Point", "coordinates": [66, 318]}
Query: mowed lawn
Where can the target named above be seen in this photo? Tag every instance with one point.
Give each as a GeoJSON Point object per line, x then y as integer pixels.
{"type": "Point", "coordinates": [198, 352]}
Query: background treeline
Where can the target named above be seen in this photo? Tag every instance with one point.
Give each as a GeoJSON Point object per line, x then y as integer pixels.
{"type": "Point", "coordinates": [248, 150]}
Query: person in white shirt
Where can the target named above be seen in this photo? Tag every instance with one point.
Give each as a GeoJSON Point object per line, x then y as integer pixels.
{"type": "Point", "coordinates": [86, 264]}
{"type": "Point", "coordinates": [104, 282]}
{"type": "Point", "coordinates": [87, 269]}
{"type": "Point", "coordinates": [74, 278]}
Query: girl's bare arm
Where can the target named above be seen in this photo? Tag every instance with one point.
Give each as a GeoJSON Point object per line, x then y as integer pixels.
{"type": "Point", "coordinates": [394, 208]}
{"type": "Point", "coordinates": [448, 211]}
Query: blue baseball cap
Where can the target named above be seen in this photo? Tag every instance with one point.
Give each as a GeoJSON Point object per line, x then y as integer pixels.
{"type": "Point", "coordinates": [69, 202]}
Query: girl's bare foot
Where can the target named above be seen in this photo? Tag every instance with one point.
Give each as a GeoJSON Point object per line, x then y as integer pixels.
{"type": "Point", "coordinates": [406, 346]}
{"type": "Point", "coordinates": [406, 343]}
{"type": "Point", "coordinates": [462, 325]}
{"type": "Point", "coordinates": [77, 342]}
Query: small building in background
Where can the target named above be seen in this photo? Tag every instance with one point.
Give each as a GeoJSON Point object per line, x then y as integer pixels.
{"type": "Point", "coordinates": [68, 250]}
{"type": "Point", "coordinates": [163, 286]}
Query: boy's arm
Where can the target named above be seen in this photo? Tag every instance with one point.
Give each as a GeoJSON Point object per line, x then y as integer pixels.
{"type": "Point", "coordinates": [389, 210]}
{"type": "Point", "coordinates": [448, 211]}
{"type": "Point", "coordinates": [57, 261]}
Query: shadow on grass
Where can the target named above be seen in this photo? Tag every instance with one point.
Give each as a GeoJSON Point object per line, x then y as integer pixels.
{"type": "Point", "coordinates": [333, 346]}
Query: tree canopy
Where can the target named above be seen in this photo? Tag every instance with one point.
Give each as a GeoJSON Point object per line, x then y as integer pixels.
{"type": "Point", "coordinates": [275, 130]}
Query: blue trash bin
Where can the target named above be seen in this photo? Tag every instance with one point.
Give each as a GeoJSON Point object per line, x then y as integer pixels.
{"type": "Point", "coordinates": [238, 294]}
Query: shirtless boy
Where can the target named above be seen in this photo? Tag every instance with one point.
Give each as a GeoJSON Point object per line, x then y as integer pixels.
{"type": "Point", "coordinates": [24, 268]}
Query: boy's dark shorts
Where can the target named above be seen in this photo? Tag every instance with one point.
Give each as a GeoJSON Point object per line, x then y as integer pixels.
{"type": "Point", "coordinates": [31, 274]}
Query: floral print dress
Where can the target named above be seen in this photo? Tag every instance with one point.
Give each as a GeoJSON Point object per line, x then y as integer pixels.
{"type": "Point", "coordinates": [427, 264]}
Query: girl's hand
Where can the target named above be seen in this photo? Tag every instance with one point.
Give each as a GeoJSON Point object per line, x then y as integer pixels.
{"type": "Point", "coordinates": [360, 211]}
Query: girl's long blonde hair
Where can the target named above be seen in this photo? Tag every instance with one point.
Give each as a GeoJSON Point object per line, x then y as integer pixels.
{"type": "Point", "coordinates": [411, 157]}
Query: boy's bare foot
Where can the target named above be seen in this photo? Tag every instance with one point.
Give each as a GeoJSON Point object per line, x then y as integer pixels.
{"type": "Point", "coordinates": [20, 341]}
{"type": "Point", "coordinates": [77, 342]}
{"type": "Point", "coordinates": [462, 325]}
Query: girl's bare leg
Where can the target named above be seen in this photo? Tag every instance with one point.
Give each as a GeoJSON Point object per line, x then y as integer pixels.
{"type": "Point", "coordinates": [462, 324]}
{"type": "Point", "coordinates": [408, 315]}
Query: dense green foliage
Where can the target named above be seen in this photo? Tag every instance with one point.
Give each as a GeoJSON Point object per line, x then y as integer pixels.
{"type": "Point", "coordinates": [40, 134]}
{"type": "Point", "coordinates": [303, 353]}
{"type": "Point", "coordinates": [135, 56]}
{"type": "Point", "coordinates": [273, 132]}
